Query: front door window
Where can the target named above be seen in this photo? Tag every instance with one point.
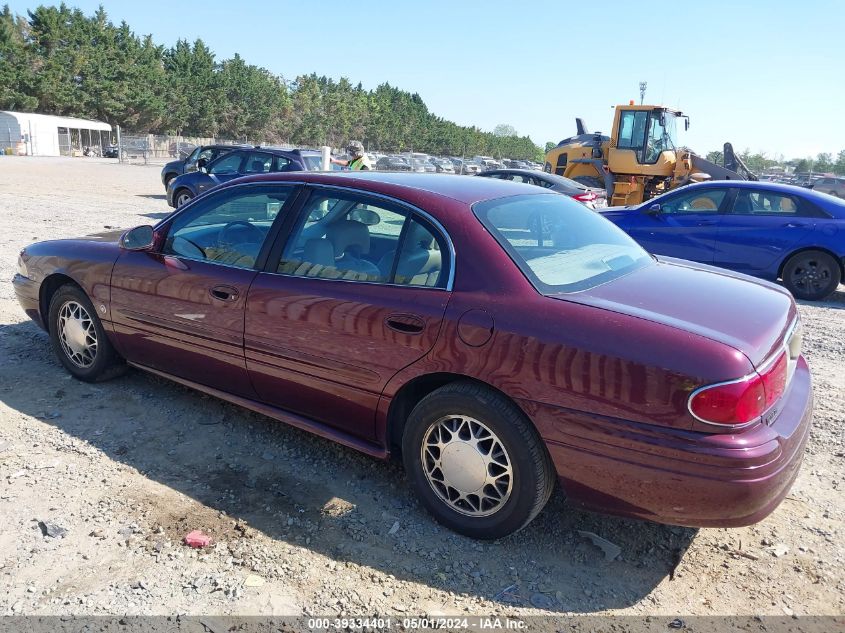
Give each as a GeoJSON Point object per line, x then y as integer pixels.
{"type": "Point", "coordinates": [229, 229]}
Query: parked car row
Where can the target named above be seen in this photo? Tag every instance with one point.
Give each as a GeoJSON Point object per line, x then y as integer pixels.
{"type": "Point", "coordinates": [825, 183]}
{"type": "Point", "coordinates": [419, 162]}
{"type": "Point", "coordinates": [499, 338]}
{"type": "Point", "coordinates": [206, 167]}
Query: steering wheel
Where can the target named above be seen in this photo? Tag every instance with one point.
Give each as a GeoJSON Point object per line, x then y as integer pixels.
{"type": "Point", "coordinates": [224, 239]}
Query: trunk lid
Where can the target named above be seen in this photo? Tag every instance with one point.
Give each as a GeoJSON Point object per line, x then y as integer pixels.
{"type": "Point", "coordinates": [750, 315]}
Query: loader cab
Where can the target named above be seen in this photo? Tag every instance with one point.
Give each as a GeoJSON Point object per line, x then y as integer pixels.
{"type": "Point", "coordinates": [642, 134]}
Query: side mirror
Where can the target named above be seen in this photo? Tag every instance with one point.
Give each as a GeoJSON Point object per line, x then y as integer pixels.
{"type": "Point", "coordinates": [201, 163]}
{"type": "Point", "coordinates": [686, 123]}
{"type": "Point", "coordinates": [141, 238]}
{"type": "Point", "coordinates": [652, 209]}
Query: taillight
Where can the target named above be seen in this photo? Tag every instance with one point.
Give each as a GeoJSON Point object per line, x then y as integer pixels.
{"type": "Point", "coordinates": [741, 401]}
{"type": "Point", "coordinates": [587, 196]}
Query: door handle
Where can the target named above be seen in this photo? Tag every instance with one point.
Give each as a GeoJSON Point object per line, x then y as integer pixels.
{"type": "Point", "coordinates": [794, 225]}
{"type": "Point", "coordinates": [405, 323]}
{"type": "Point", "coordinates": [224, 293]}
{"type": "Point", "coordinates": [707, 222]}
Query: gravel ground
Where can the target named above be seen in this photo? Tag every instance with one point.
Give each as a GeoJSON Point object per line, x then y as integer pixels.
{"type": "Point", "coordinates": [118, 473]}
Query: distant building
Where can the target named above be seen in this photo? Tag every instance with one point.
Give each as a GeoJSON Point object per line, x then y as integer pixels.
{"type": "Point", "coordinates": [30, 134]}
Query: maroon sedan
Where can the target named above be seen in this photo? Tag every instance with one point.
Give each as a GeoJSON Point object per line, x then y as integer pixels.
{"type": "Point", "coordinates": [498, 337]}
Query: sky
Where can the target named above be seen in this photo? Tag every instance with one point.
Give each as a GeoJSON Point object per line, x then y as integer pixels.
{"type": "Point", "coordinates": [767, 76]}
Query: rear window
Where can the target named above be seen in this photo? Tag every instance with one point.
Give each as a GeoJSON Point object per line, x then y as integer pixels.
{"type": "Point", "coordinates": [559, 244]}
{"type": "Point", "coordinates": [312, 163]}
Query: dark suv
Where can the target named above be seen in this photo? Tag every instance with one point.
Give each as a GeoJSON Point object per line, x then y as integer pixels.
{"type": "Point", "coordinates": [237, 163]}
{"type": "Point", "coordinates": [203, 154]}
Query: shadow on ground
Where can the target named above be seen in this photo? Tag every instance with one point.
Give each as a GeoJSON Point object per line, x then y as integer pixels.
{"type": "Point", "coordinates": [297, 488]}
{"type": "Point", "coordinates": [835, 301]}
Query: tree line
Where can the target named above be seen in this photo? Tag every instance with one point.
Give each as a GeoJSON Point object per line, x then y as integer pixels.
{"type": "Point", "coordinates": [823, 163]}
{"type": "Point", "coordinates": [57, 60]}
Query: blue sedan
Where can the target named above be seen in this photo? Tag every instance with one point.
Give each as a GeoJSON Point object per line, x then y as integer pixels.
{"type": "Point", "coordinates": [237, 163]}
{"type": "Point", "coordinates": [766, 230]}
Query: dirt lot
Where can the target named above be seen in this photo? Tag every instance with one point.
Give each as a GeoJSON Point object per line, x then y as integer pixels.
{"type": "Point", "coordinates": [127, 468]}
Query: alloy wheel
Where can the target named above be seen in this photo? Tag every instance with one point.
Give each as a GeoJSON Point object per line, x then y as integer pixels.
{"type": "Point", "coordinates": [77, 334]}
{"type": "Point", "coordinates": [811, 275]}
{"type": "Point", "coordinates": [467, 465]}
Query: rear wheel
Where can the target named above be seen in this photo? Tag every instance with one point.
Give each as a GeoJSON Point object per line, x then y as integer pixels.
{"type": "Point", "coordinates": [476, 462]}
{"type": "Point", "coordinates": [78, 338]}
{"type": "Point", "coordinates": [590, 181]}
{"type": "Point", "coordinates": [811, 275]}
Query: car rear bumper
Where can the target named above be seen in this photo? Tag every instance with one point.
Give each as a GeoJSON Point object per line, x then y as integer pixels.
{"type": "Point", "coordinates": [680, 477]}
{"type": "Point", "coordinates": [26, 291]}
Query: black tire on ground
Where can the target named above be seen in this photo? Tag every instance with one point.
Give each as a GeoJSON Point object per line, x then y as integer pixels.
{"type": "Point", "coordinates": [71, 306]}
{"type": "Point", "coordinates": [167, 179]}
{"type": "Point", "coordinates": [590, 181]}
{"type": "Point", "coordinates": [182, 197]}
{"type": "Point", "coordinates": [479, 414]}
{"type": "Point", "coordinates": [811, 275]}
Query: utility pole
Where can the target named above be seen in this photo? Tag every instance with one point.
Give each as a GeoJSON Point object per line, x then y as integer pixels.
{"type": "Point", "coordinates": [643, 86]}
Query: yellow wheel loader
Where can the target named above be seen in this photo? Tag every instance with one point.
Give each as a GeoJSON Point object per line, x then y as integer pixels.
{"type": "Point", "coordinates": [641, 158]}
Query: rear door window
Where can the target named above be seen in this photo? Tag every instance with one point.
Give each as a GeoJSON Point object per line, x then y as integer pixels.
{"type": "Point", "coordinates": [759, 202]}
{"type": "Point", "coordinates": [258, 163]}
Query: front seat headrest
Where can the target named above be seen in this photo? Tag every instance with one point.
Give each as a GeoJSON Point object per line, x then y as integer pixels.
{"type": "Point", "coordinates": [349, 236]}
{"type": "Point", "coordinates": [319, 251]}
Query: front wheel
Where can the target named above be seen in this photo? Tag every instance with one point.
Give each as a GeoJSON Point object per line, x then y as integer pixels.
{"type": "Point", "coordinates": [476, 461]}
{"type": "Point", "coordinates": [78, 338]}
{"type": "Point", "coordinates": [811, 275]}
{"type": "Point", "coordinates": [183, 197]}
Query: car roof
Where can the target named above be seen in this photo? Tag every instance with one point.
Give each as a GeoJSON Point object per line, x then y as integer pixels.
{"type": "Point", "coordinates": [464, 189]}
{"type": "Point", "coordinates": [225, 145]}
{"type": "Point", "coordinates": [555, 178]}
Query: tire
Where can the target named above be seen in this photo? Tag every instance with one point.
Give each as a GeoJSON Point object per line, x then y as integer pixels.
{"type": "Point", "coordinates": [73, 324]}
{"type": "Point", "coordinates": [811, 275]}
{"type": "Point", "coordinates": [168, 179]}
{"type": "Point", "coordinates": [182, 197]}
{"type": "Point", "coordinates": [590, 181]}
{"type": "Point", "coordinates": [463, 411]}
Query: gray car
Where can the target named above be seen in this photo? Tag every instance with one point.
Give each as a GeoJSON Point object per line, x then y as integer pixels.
{"type": "Point", "coordinates": [831, 185]}
{"type": "Point", "coordinates": [588, 196]}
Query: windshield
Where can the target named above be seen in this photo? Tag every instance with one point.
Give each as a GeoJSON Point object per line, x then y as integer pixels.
{"type": "Point", "coordinates": [662, 135]}
{"type": "Point", "coordinates": [559, 244]}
